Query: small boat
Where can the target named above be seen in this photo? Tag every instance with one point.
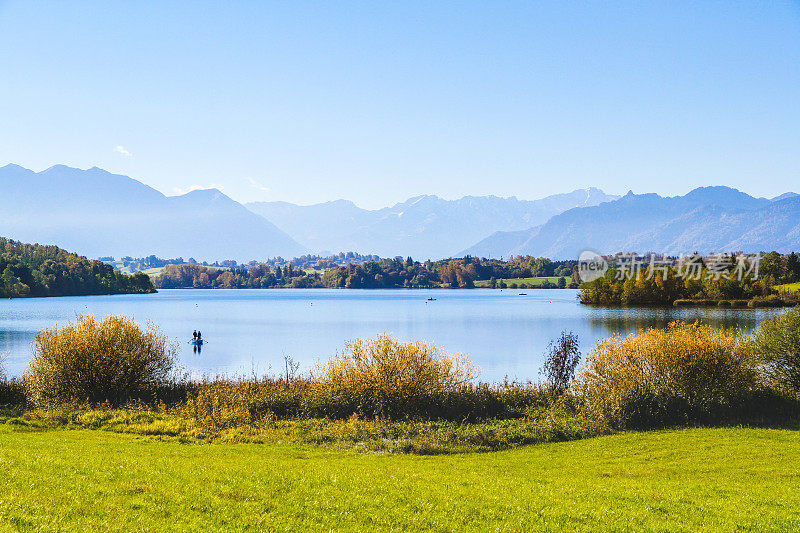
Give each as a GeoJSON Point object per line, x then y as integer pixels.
{"type": "Point", "coordinates": [523, 294]}
{"type": "Point", "coordinates": [197, 342]}
{"type": "Point", "coordinates": [431, 299]}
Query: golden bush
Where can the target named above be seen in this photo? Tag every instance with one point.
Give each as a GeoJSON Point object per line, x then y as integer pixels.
{"type": "Point", "coordinates": [675, 374]}
{"type": "Point", "coordinates": [386, 377]}
{"type": "Point", "coordinates": [93, 361]}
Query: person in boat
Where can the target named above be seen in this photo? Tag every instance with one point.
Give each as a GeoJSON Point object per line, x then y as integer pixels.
{"type": "Point", "coordinates": [197, 341]}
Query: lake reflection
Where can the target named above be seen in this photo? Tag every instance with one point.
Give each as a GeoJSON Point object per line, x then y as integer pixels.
{"type": "Point", "coordinates": [249, 331]}
{"type": "Point", "coordinates": [635, 319]}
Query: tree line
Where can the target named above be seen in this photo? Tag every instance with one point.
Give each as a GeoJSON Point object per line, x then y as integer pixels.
{"type": "Point", "coordinates": [374, 274]}
{"type": "Point", "coordinates": [708, 282]}
{"type": "Point", "coordinates": [38, 270]}
{"type": "Point", "coordinates": [305, 262]}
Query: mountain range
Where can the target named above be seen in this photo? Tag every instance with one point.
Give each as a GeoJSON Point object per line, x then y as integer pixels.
{"type": "Point", "coordinates": [97, 213]}
{"type": "Point", "coordinates": [424, 226]}
{"type": "Point", "coordinates": [706, 220]}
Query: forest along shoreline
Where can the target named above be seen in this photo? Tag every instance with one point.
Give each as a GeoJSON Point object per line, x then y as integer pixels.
{"type": "Point", "coordinates": [31, 270]}
{"type": "Point", "coordinates": [775, 283]}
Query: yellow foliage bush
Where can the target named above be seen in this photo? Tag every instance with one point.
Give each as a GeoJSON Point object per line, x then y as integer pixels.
{"type": "Point", "coordinates": [664, 376]}
{"type": "Point", "coordinates": [386, 377]}
{"type": "Point", "coordinates": [93, 361]}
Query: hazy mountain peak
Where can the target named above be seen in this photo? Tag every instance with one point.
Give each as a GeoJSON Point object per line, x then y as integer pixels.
{"type": "Point", "coordinates": [423, 226]}
{"type": "Point", "coordinates": [212, 192]}
{"type": "Point", "coordinates": [97, 213]}
{"type": "Point", "coordinates": [784, 196]}
{"type": "Point", "coordinates": [420, 198]}
{"type": "Point", "coordinates": [715, 192]}
{"type": "Point", "coordinates": [15, 167]}
{"type": "Point", "coordinates": [340, 202]}
{"type": "Point", "coordinates": [60, 168]}
{"type": "Point", "coordinates": [706, 219]}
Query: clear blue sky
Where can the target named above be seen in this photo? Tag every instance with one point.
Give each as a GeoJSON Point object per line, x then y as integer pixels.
{"type": "Point", "coordinates": [378, 101]}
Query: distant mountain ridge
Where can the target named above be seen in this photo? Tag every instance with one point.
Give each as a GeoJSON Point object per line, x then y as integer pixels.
{"type": "Point", "coordinates": [707, 219]}
{"type": "Point", "coordinates": [97, 213]}
{"type": "Point", "coordinates": [424, 226]}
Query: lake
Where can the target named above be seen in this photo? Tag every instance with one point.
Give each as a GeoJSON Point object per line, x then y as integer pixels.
{"type": "Point", "coordinates": [250, 331]}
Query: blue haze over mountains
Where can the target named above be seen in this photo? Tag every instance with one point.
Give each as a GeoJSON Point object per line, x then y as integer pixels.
{"type": "Point", "coordinates": [423, 227]}
{"type": "Point", "coordinates": [706, 220]}
{"type": "Point", "coordinates": [96, 213]}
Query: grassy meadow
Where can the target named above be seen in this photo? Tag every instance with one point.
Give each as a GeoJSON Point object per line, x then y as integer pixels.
{"type": "Point", "coordinates": [530, 283]}
{"type": "Point", "coordinates": [788, 287]}
{"type": "Point", "coordinates": [677, 480]}
{"type": "Point", "coordinates": [152, 272]}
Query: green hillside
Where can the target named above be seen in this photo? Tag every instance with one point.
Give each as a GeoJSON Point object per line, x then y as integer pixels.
{"type": "Point", "coordinates": [38, 270]}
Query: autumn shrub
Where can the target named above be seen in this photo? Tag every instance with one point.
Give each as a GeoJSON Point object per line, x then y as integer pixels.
{"type": "Point", "coordinates": [388, 378]}
{"type": "Point", "coordinates": [777, 343]}
{"type": "Point", "coordinates": [93, 361]}
{"type": "Point", "coordinates": [682, 374]}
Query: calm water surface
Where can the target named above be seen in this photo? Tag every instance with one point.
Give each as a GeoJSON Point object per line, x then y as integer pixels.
{"type": "Point", "coordinates": [249, 331]}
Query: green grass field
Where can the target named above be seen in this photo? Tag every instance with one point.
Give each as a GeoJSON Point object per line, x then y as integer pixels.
{"type": "Point", "coordinates": [682, 480]}
{"type": "Point", "coordinates": [155, 271]}
{"type": "Point", "coordinates": [789, 287]}
{"type": "Point", "coordinates": [531, 282]}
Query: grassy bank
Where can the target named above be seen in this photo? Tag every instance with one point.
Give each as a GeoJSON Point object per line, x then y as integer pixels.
{"type": "Point", "coordinates": [790, 288]}
{"type": "Point", "coordinates": [420, 437]}
{"type": "Point", "coordinates": [684, 480]}
{"type": "Point", "coordinates": [525, 283]}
